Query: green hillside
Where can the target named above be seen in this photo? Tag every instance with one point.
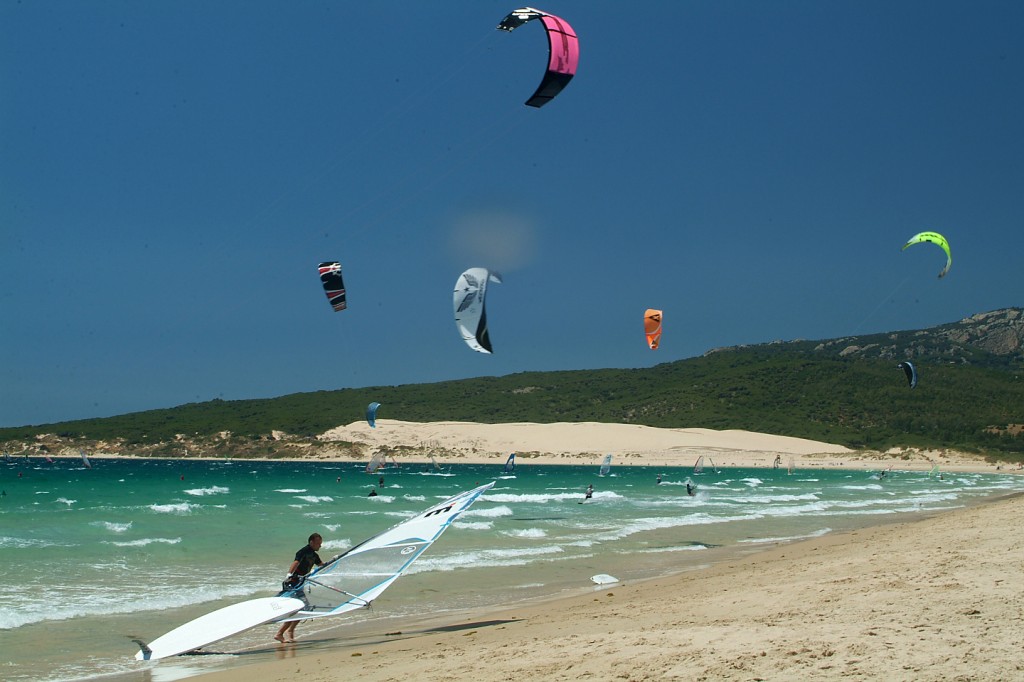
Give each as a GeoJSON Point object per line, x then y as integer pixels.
{"type": "Point", "coordinates": [846, 391]}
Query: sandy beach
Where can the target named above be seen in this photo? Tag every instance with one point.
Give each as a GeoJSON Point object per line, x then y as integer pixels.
{"type": "Point", "coordinates": [939, 597]}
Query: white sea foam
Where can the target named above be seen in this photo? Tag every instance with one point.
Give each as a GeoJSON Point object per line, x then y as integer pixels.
{"type": "Point", "coordinates": [113, 526]}
{"type": "Point", "coordinates": [337, 545]}
{"type": "Point", "coordinates": [526, 533]}
{"type": "Point", "coordinates": [315, 498]}
{"type": "Point", "coordinates": [202, 492]}
{"type": "Point", "coordinates": [143, 542]}
{"type": "Point", "coordinates": [64, 500]}
{"type": "Point", "coordinates": [415, 498]}
{"type": "Point", "coordinates": [487, 513]}
{"type": "Point", "coordinates": [789, 538]}
{"type": "Point", "coordinates": [483, 558]}
{"type": "Point", "coordinates": [176, 508]}
{"type": "Point", "coordinates": [474, 525]}
{"type": "Point", "coordinates": [7, 542]}
{"type": "Point", "coordinates": [290, 490]}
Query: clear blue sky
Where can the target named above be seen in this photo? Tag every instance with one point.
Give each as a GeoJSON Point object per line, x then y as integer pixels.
{"type": "Point", "coordinates": [171, 173]}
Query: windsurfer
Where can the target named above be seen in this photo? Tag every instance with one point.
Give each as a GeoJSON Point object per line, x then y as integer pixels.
{"type": "Point", "coordinates": [305, 559]}
{"type": "Point", "coordinates": [590, 492]}
{"type": "Point", "coordinates": [690, 489]}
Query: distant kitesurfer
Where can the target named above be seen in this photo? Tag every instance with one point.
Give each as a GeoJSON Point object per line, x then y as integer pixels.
{"type": "Point", "coordinates": [305, 559]}
{"type": "Point", "coordinates": [690, 489]}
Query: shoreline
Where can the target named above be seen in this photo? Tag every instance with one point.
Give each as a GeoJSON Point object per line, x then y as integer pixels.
{"type": "Point", "coordinates": [910, 598]}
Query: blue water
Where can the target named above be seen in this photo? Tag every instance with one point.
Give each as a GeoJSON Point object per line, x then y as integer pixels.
{"type": "Point", "coordinates": [132, 548]}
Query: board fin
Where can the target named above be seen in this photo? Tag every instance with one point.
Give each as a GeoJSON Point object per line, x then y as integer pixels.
{"type": "Point", "coordinates": [144, 648]}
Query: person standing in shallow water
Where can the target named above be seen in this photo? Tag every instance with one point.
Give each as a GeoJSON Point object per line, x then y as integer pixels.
{"type": "Point", "coordinates": [305, 559]}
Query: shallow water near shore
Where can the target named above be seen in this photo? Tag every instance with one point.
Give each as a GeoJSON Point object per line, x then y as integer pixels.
{"type": "Point", "coordinates": [132, 548]}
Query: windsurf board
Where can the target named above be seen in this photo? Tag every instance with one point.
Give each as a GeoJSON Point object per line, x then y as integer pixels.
{"type": "Point", "coordinates": [219, 624]}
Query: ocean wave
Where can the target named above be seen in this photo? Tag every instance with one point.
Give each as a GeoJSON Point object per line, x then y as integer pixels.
{"type": "Point", "coordinates": [113, 526]}
{"type": "Point", "coordinates": [492, 513]}
{"type": "Point", "coordinates": [474, 525]}
{"type": "Point", "coordinates": [143, 542]}
{"type": "Point", "coordinates": [526, 533]}
{"type": "Point", "coordinates": [315, 498]}
{"type": "Point", "coordinates": [484, 558]}
{"type": "Point", "coordinates": [341, 544]}
{"type": "Point", "coordinates": [7, 542]}
{"type": "Point", "coordinates": [175, 508]}
{"type": "Point", "coordinates": [546, 497]}
{"type": "Point", "coordinates": [289, 490]}
{"type": "Point", "coordinates": [201, 492]}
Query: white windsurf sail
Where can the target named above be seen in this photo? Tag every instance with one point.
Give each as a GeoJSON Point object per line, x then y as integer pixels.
{"type": "Point", "coordinates": [698, 466]}
{"type": "Point", "coordinates": [777, 462]}
{"type": "Point", "coordinates": [606, 466]}
{"type": "Point", "coordinates": [357, 577]}
{"type": "Point", "coordinates": [85, 460]}
{"type": "Point", "coordinates": [712, 463]}
{"type": "Point", "coordinates": [376, 462]}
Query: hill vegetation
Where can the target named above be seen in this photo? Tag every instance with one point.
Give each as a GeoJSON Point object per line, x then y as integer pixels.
{"type": "Point", "coordinates": [846, 391]}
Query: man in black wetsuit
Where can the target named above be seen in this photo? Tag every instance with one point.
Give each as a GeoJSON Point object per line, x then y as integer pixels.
{"type": "Point", "coordinates": [305, 559]}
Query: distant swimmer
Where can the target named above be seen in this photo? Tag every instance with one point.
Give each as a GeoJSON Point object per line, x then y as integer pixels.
{"type": "Point", "coordinates": [373, 493]}
{"type": "Point", "coordinates": [305, 559]}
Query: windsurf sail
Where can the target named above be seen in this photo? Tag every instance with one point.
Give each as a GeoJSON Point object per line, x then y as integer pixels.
{"type": "Point", "coordinates": [789, 467]}
{"type": "Point", "coordinates": [934, 473]}
{"type": "Point", "coordinates": [712, 463]}
{"type": "Point", "coordinates": [376, 462]}
{"type": "Point", "coordinates": [85, 460]}
{"type": "Point", "coordinates": [698, 466]}
{"type": "Point", "coordinates": [510, 463]}
{"type": "Point", "coordinates": [354, 579]}
{"type": "Point", "coordinates": [606, 465]}
{"type": "Point", "coordinates": [778, 462]}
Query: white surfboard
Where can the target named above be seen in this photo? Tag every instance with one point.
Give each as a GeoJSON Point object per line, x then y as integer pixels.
{"type": "Point", "coordinates": [219, 624]}
{"type": "Point", "coordinates": [604, 579]}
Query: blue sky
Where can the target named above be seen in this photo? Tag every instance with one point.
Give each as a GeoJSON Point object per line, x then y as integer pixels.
{"type": "Point", "coordinates": [171, 173]}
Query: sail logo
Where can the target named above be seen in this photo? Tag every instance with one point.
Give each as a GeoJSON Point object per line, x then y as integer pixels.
{"type": "Point", "coordinates": [408, 550]}
{"type": "Point", "coordinates": [440, 510]}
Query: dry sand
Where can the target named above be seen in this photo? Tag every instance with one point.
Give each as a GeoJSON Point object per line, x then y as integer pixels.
{"type": "Point", "coordinates": [937, 598]}
{"type": "Point", "coordinates": [940, 598]}
{"type": "Point", "coordinates": [630, 444]}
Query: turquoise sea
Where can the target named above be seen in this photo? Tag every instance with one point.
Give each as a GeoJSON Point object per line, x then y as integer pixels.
{"type": "Point", "coordinates": [94, 558]}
